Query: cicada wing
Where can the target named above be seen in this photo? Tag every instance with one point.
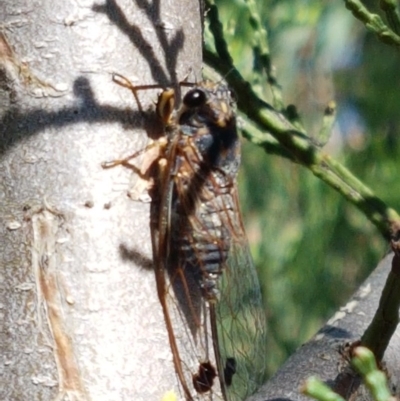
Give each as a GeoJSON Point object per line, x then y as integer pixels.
{"type": "Point", "coordinates": [193, 336]}
{"type": "Point", "coordinates": [187, 317]}
{"type": "Point", "coordinates": [186, 312]}
{"type": "Point", "coordinates": [241, 322]}
{"type": "Point", "coordinates": [225, 337]}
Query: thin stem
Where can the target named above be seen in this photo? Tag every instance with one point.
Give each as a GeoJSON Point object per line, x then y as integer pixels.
{"type": "Point", "coordinates": [373, 22]}
{"type": "Point", "coordinates": [262, 54]}
{"type": "Point", "coordinates": [392, 15]}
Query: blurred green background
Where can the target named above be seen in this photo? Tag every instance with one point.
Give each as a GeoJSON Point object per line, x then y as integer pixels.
{"type": "Point", "coordinates": [313, 249]}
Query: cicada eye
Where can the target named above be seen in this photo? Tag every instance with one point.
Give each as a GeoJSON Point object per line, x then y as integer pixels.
{"type": "Point", "coordinates": [194, 98]}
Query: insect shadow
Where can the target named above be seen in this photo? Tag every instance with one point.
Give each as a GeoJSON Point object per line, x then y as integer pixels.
{"type": "Point", "coordinates": [135, 256]}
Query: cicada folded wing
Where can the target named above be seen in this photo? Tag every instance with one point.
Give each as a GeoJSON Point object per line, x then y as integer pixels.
{"type": "Point", "coordinates": [240, 322]}
{"type": "Point", "coordinates": [178, 276]}
{"type": "Point", "coordinates": [218, 345]}
{"type": "Point", "coordinates": [188, 324]}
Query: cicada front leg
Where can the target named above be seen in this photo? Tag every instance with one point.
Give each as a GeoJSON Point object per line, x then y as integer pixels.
{"type": "Point", "coordinates": [155, 150]}
{"type": "Point", "coordinates": [152, 154]}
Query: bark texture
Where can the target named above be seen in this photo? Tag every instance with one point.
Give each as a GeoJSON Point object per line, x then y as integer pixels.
{"type": "Point", "coordinates": [80, 318]}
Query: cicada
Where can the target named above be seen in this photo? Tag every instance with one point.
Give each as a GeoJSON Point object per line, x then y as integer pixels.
{"type": "Point", "coordinates": [206, 282]}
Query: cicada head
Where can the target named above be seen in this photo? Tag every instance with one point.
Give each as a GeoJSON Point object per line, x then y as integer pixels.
{"type": "Point", "coordinates": [208, 104]}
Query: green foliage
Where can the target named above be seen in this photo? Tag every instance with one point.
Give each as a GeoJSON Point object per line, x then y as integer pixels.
{"type": "Point", "coordinates": [364, 362]}
{"type": "Point", "coordinates": [311, 246]}
{"type": "Point", "coordinates": [318, 390]}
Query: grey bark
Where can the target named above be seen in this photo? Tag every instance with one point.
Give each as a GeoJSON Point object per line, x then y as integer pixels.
{"type": "Point", "coordinates": [80, 318]}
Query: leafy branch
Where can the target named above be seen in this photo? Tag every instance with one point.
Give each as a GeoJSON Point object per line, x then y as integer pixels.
{"type": "Point", "coordinates": [375, 23]}
{"type": "Point", "coordinates": [277, 131]}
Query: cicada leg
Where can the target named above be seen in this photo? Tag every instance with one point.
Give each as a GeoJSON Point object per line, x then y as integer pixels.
{"type": "Point", "coordinates": [166, 99]}
{"type": "Point", "coordinates": [126, 83]}
{"type": "Point", "coordinates": [152, 154]}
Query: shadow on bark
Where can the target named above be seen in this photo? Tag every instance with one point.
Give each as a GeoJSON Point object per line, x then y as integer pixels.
{"type": "Point", "coordinates": [171, 48]}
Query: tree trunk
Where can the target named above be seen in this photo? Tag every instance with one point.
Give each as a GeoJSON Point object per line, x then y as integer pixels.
{"type": "Point", "coordinates": [80, 314]}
